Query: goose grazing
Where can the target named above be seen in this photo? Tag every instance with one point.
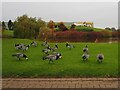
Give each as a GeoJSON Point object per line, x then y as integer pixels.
{"type": "Point", "coordinates": [69, 45]}
{"type": "Point", "coordinates": [100, 58]}
{"type": "Point", "coordinates": [85, 49]}
{"type": "Point", "coordinates": [45, 43]}
{"type": "Point", "coordinates": [18, 46]}
{"type": "Point", "coordinates": [85, 56]}
{"type": "Point", "coordinates": [55, 47]}
{"type": "Point", "coordinates": [48, 49]}
{"type": "Point", "coordinates": [20, 55]}
{"type": "Point", "coordinates": [25, 48]}
{"type": "Point", "coordinates": [58, 54]}
{"type": "Point", "coordinates": [34, 43]}
{"type": "Point", "coordinates": [51, 58]}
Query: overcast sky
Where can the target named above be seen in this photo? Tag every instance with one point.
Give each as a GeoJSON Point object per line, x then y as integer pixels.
{"type": "Point", "coordinates": [103, 14]}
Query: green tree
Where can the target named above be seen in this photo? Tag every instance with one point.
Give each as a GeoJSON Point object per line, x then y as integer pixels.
{"type": "Point", "coordinates": [72, 27]}
{"type": "Point", "coordinates": [27, 27]}
{"type": "Point", "coordinates": [44, 33]}
{"type": "Point", "coordinates": [10, 25]}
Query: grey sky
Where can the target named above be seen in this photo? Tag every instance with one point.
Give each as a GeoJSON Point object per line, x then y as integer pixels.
{"type": "Point", "coordinates": [103, 14]}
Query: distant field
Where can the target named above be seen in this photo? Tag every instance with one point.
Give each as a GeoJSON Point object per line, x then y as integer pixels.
{"type": "Point", "coordinates": [7, 33]}
{"type": "Point", "coordinates": [82, 28]}
{"type": "Point", "coordinates": [71, 65]}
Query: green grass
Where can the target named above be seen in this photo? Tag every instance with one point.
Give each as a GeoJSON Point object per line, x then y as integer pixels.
{"type": "Point", "coordinates": [82, 28]}
{"type": "Point", "coordinates": [71, 64]}
{"type": "Point", "coordinates": [7, 33]}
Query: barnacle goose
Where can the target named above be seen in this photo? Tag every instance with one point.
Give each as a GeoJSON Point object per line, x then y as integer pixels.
{"type": "Point", "coordinates": [100, 57]}
{"type": "Point", "coordinates": [34, 43]}
{"type": "Point", "coordinates": [58, 54]}
{"type": "Point", "coordinates": [69, 45]}
{"type": "Point", "coordinates": [85, 56]}
{"type": "Point", "coordinates": [48, 49]}
{"type": "Point", "coordinates": [55, 47]}
{"type": "Point", "coordinates": [85, 49]}
{"type": "Point", "coordinates": [20, 55]}
{"type": "Point", "coordinates": [45, 43]}
{"type": "Point", "coordinates": [18, 46]}
{"type": "Point", "coordinates": [25, 48]}
{"type": "Point", "coordinates": [51, 58]}
{"type": "Point", "coordinates": [21, 47]}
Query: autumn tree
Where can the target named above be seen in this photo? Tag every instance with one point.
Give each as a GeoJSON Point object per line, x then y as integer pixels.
{"type": "Point", "coordinates": [62, 27]}
{"type": "Point", "coordinates": [51, 24]}
{"type": "Point", "coordinates": [44, 33]}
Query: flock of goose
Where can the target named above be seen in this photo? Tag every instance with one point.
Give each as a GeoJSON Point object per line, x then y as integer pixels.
{"type": "Point", "coordinates": [50, 52]}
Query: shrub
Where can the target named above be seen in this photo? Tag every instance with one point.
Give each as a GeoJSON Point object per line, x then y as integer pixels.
{"type": "Point", "coordinates": [106, 34]}
{"type": "Point", "coordinates": [76, 36]}
{"type": "Point", "coordinates": [62, 27]}
{"type": "Point", "coordinates": [116, 34]}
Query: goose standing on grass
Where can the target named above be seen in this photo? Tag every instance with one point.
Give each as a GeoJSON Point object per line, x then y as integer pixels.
{"type": "Point", "coordinates": [55, 47]}
{"type": "Point", "coordinates": [51, 58]}
{"type": "Point", "coordinates": [85, 49]}
{"type": "Point", "coordinates": [45, 43]}
{"type": "Point", "coordinates": [100, 58]}
{"type": "Point", "coordinates": [25, 48]}
{"type": "Point", "coordinates": [58, 54]}
{"type": "Point", "coordinates": [70, 46]}
{"type": "Point", "coordinates": [48, 49]}
{"type": "Point", "coordinates": [21, 47]}
{"type": "Point", "coordinates": [18, 46]}
{"type": "Point", "coordinates": [34, 43]}
{"type": "Point", "coordinates": [85, 56]}
{"type": "Point", "coordinates": [20, 55]}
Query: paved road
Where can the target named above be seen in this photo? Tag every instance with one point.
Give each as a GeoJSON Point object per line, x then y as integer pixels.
{"type": "Point", "coordinates": [60, 83]}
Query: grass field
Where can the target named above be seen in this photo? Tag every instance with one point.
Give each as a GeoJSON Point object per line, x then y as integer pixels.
{"type": "Point", "coordinates": [71, 64]}
{"type": "Point", "coordinates": [7, 33]}
{"type": "Point", "coordinates": [83, 28]}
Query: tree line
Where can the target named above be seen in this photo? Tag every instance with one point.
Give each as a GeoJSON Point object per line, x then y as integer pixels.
{"type": "Point", "coordinates": [29, 27]}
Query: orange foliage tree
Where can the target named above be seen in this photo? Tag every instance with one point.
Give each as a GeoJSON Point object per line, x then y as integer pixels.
{"type": "Point", "coordinates": [62, 27]}
{"type": "Point", "coordinates": [51, 25]}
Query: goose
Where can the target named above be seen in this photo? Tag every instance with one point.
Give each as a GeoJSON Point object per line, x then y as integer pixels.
{"type": "Point", "coordinates": [45, 43]}
{"type": "Point", "coordinates": [54, 48]}
{"type": "Point", "coordinates": [100, 57]}
{"type": "Point", "coordinates": [85, 56]}
{"type": "Point", "coordinates": [85, 49]}
{"type": "Point", "coordinates": [34, 43]}
{"type": "Point", "coordinates": [25, 48]}
{"type": "Point", "coordinates": [69, 45]}
{"type": "Point", "coordinates": [20, 55]}
{"type": "Point", "coordinates": [18, 46]}
{"type": "Point", "coordinates": [48, 49]}
{"type": "Point", "coordinates": [51, 58]}
{"type": "Point", "coordinates": [57, 53]}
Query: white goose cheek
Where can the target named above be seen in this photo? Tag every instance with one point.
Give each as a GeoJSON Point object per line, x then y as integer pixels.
{"type": "Point", "coordinates": [60, 57]}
